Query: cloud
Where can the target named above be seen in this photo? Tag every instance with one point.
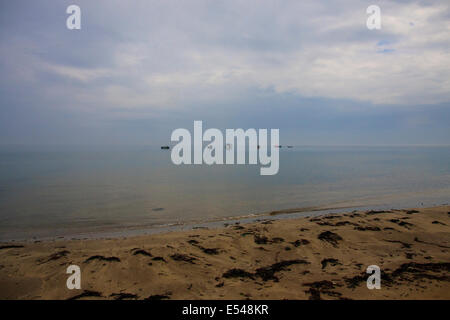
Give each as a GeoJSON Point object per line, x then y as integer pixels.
{"type": "Point", "coordinates": [315, 50]}
{"type": "Point", "coordinates": [155, 59]}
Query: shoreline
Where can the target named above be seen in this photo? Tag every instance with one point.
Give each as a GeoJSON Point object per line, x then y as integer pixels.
{"type": "Point", "coordinates": [281, 214]}
{"type": "Point", "coordinates": [319, 257]}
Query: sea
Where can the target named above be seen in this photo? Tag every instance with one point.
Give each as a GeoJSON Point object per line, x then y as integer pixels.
{"type": "Point", "coordinates": [71, 192]}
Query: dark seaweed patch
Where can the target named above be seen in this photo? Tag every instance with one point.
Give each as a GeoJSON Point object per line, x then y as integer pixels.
{"type": "Point", "coordinates": [123, 296]}
{"type": "Point", "coordinates": [367, 228]}
{"type": "Point", "coordinates": [268, 273]}
{"type": "Point", "coordinates": [158, 297]}
{"type": "Point", "coordinates": [85, 294]}
{"type": "Point", "coordinates": [11, 246]}
{"type": "Point", "coordinates": [331, 261]}
{"type": "Point", "coordinates": [330, 237]}
{"type": "Point", "coordinates": [237, 273]}
{"type": "Point", "coordinates": [298, 243]}
{"type": "Point", "coordinates": [102, 258]}
{"type": "Point", "coordinates": [142, 252]}
{"type": "Point", "coordinates": [183, 257]}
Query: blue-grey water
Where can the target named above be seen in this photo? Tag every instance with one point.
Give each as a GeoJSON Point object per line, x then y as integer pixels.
{"type": "Point", "coordinates": [61, 191]}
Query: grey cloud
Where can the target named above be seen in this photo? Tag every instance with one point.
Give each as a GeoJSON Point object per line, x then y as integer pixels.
{"type": "Point", "coordinates": [156, 63]}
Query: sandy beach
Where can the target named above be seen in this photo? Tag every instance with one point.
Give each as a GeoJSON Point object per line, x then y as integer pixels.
{"type": "Point", "coordinates": [303, 258]}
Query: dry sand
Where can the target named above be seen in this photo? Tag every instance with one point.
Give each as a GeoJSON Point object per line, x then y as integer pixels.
{"type": "Point", "coordinates": [304, 258]}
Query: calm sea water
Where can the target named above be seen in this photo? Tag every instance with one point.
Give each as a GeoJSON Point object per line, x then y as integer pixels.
{"type": "Point", "coordinates": [52, 191]}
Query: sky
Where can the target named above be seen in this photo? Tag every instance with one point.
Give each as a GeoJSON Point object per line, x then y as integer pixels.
{"type": "Point", "coordinates": [137, 70]}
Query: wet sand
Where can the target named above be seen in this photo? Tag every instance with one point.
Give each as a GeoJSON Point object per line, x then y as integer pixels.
{"type": "Point", "coordinates": [303, 258]}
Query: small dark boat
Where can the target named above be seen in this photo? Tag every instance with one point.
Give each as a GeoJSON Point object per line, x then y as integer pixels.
{"type": "Point", "coordinates": [165, 147]}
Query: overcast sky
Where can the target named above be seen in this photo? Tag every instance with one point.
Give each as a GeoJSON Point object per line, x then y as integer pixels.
{"type": "Point", "coordinates": [137, 70]}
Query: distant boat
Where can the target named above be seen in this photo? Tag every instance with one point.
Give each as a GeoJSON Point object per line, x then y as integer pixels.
{"type": "Point", "coordinates": [290, 146]}
{"type": "Point", "coordinates": [165, 147]}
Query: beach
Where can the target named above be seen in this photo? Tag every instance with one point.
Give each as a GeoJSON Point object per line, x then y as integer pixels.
{"type": "Point", "coordinates": [321, 257]}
